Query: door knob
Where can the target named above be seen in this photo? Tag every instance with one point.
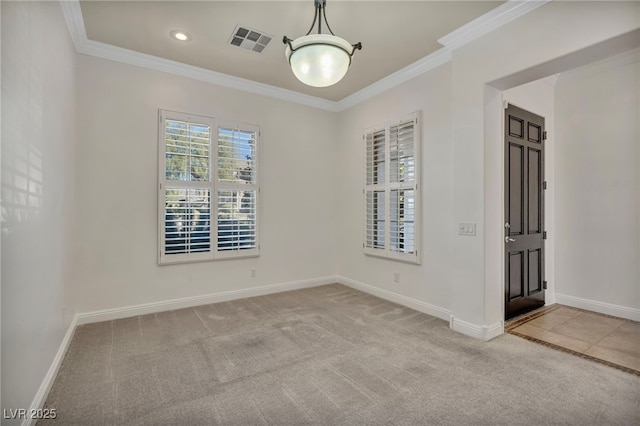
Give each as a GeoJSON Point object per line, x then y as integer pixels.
{"type": "Point", "coordinates": [509, 239]}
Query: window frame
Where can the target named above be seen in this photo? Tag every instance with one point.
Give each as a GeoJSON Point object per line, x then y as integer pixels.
{"type": "Point", "coordinates": [213, 185]}
{"type": "Point", "coordinates": [371, 245]}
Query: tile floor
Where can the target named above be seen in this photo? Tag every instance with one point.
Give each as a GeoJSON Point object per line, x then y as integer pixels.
{"type": "Point", "coordinates": [600, 337]}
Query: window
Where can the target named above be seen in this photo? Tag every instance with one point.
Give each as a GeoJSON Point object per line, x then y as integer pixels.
{"type": "Point", "coordinates": [207, 170]}
{"type": "Point", "coordinates": [391, 196]}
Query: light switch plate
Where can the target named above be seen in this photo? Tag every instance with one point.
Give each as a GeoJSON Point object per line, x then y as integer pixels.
{"type": "Point", "coordinates": [467, 228]}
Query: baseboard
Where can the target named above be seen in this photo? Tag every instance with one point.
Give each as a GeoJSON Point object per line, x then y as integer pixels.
{"type": "Point", "coordinates": [493, 331]}
{"type": "Point", "coordinates": [466, 328]}
{"type": "Point", "coordinates": [188, 302]}
{"type": "Point", "coordinates": [481, 332]}
{"type": "Point", "coordinates": [601, 307]}
{"type": "Point", "coordinates": [550, 297]}
{"type": "Point", "coordinates": [418, 305]}
{"type": "Point", "coordinates": [45, 387]}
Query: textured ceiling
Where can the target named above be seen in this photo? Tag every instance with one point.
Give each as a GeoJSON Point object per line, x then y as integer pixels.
{"type": "Point", "coordinates": [394, 34]}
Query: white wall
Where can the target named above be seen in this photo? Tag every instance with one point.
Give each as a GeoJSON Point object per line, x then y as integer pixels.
{"type": "Point", "coordinates": [598, 185]}
{"type": "Point", "coordinates": [463, 103]}
{"type": "Point", "coordinates": [552, 31]}
{"type": "Point", "coordinates": [38, 140]}
{"type": "Point", "coordinates": [429, 282]}
{"type": "Point", "coordinates": [98, 187]}
{"type": "Point", "coordinates": [116, 256]}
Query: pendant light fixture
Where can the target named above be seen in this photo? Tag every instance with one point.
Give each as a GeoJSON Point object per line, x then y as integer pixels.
{"type": "Point", "coordinates": [319, 60]}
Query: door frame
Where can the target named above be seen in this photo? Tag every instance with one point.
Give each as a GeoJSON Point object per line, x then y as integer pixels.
{"type": "Point", "coordinates": [521, 102]}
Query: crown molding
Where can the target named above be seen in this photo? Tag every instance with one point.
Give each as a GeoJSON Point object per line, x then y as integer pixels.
{"type": "Point", "coordinates": [75, 21]}
{"type": "Point", "coordinates": [495, 18]}
{"type": "Point", "coordinates": [488, 22]}
{"type": "Point", "coordinates": [118, 54]}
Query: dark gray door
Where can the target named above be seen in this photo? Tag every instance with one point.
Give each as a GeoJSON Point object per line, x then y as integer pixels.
{"type": "Point", "coordinates": [524, 211]}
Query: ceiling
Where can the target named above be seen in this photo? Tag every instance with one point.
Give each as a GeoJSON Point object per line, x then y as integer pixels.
{"type": "Point", "coordinates": [394, 34]}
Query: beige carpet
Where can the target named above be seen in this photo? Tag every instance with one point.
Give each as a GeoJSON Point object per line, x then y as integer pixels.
{"type": "Point", "coordinates": [328, 355]}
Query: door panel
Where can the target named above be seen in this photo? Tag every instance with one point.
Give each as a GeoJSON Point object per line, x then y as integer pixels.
{"type": "Point", "coordinates": [516, 126]}
{"type": "Point", "coordinates": [535, 193]}
{"type": "Point", "coordinates": [535, 269]}
{"type": "Point", "coordinates": [534, 133]}
{"type": "Point", "coordinates": [524, 211]}
{"type": "Point", "coordinates": [516, 281]}
{"type": "Point", "coordinates": [516, 181]}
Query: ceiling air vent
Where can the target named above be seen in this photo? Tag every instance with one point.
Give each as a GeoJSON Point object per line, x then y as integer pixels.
{"type": "Point", "coordinates": [249, 39]}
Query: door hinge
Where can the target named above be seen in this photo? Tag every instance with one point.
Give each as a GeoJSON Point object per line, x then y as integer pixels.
{"type": "Point", "coordinates": [544, 235]}
{"type": "Point", "coordinates": [544, 135]}
{"type": "Point", "coordinates": [544, 285]}
{"type": "Point", "coordinates": [544, 185]}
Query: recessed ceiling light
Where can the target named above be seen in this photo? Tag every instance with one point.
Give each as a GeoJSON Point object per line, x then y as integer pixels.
{"type": "Point", "coordinates": [180, 35]}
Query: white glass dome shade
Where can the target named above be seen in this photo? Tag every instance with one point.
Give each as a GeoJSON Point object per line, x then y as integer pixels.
{"type": "Point", "coordinates": [319, 60]}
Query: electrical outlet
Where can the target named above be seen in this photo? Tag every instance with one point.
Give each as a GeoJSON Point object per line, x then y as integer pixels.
{"type": "Point", "coordinates": [396, 277]}
{"type": "Point", "coordinates": [253, 272]}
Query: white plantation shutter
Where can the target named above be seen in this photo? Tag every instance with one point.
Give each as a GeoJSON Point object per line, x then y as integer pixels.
{"type": "Point", "coordinates": [187, 220]}
{"type": "Point", "coordinates": [236, 223]}
{"type": "Point", "coordinates": [402, 221]}
{"type": "Point", "coordinates": [402, 183]}
{"type": "Point", "coordinates": [237, 196]}
{"type": "Point", "coordinates": [187, 150]}
{"type": "Point", "coordinates": [402, 152]}
{"type": "Point", "coordinates": [208, 189]}
{"type": "Point", "coordinates": [375, 163]}
{"type": "Point", "coordinates": [375, 166]}
{"type": "Point", "coordinates": [391, 190]}
{"type": "Point", "coordinates": [375, 222]}
{"type": "Point", "coordinates": [237, 154]}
